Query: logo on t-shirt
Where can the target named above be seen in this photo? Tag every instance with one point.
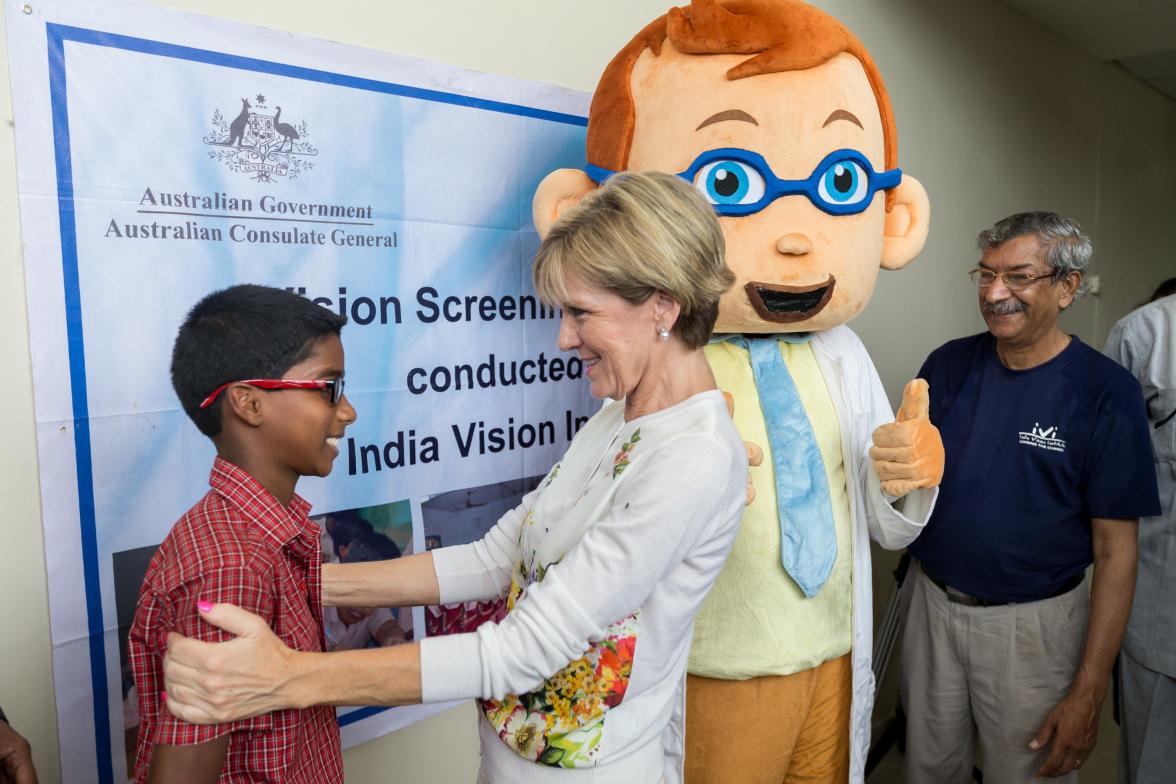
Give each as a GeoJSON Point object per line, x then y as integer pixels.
{"type": "Point", "coordinates": [1043, 438]}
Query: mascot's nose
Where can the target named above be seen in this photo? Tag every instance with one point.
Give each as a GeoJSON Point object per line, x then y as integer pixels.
{"type": "Point", "coordinates": [794, 245]}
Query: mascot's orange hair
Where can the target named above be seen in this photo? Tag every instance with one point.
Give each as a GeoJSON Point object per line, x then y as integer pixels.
{"type": "Point", "coordinates": [785, 35]}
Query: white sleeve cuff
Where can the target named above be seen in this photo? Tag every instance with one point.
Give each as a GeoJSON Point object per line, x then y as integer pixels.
{"type": "Point", "coordinates": [451, 668]}
{"type": "Point", "coordinates": [894, 525]}
{"type": "Point", "coordinates": [460, 575]}
{"type": "Point", "coordinates": [918, 504]}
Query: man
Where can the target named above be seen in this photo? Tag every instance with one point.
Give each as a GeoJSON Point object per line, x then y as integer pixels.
{"type": "Point", "coordinates": [793, 141]}
{"type": "Point", "coordinates": [1144, 342]}
{"type": "Point", "coordinates": [1048, 468]}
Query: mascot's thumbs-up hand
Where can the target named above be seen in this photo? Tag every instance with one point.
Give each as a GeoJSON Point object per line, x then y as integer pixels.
{"type": "Point", "coordinates": [908, 452]}
{"type": "Point", "coordinates": [755, 455]}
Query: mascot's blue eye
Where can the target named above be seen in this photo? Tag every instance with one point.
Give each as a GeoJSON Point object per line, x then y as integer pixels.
{"type": "Point", "coordinates": [843, 182]}
{"type": "Point", "coordinates": [726, 182]}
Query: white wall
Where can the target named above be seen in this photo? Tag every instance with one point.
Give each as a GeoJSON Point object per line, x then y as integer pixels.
{"type": "Point", "coordinates": [995, 115]}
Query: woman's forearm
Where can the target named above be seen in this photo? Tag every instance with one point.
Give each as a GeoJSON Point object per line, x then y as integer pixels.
{"type": "Point", "coordinates": [402, 582]}
{"type": "Point", "coordinates": [375, 676]}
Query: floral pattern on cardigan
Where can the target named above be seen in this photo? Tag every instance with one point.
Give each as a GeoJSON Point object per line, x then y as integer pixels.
{"type": "Point", "coordinates": [561, 723]}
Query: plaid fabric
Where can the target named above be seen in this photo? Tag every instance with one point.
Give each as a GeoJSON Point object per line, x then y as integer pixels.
{"type": "Point", "coordinates": [237, 545]}
{"type": "Point", "coordinates": [462, 617]}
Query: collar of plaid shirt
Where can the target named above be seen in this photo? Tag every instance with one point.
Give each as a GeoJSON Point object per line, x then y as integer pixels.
{"type": "Point", "coordinates": [284, 526]}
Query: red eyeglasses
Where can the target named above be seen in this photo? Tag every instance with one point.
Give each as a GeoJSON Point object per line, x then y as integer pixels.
{"type": "Point", "coordinates": [333, 387]}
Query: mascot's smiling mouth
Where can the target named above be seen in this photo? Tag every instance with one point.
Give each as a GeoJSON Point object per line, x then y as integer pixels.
{"type": "Point", "coordinates": [789, 304]}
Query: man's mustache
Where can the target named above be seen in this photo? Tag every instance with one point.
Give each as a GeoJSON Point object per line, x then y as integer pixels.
{"type": "Point", "coordinates": [1006, 307]}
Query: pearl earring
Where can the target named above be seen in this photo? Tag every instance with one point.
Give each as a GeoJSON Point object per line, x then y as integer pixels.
{"type": "Point", "coordinates": [663, 333]}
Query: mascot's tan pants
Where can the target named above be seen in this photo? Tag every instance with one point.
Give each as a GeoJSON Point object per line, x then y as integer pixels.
{"type": "Point", "coordinates": [776, 729]}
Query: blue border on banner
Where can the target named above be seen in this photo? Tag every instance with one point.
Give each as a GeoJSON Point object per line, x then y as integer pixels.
{"type": "Point", "coordinates": [57, 35]}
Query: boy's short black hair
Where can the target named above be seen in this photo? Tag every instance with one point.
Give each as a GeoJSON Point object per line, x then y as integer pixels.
{"type": "Point", "coordinates": [371, 547]}
{"type": "Point", "coordinates": [242, 332]}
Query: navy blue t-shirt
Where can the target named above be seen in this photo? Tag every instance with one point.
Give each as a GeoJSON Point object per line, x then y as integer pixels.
{"type": "Point", "coordinates": [1031, 456]}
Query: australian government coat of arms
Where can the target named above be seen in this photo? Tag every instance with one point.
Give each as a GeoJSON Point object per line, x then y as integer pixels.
{"type": "Point", "coordinates": [258, 142]}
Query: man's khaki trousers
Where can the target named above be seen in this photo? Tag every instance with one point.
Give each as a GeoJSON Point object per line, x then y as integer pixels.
{"type": "Point", "coordinates": [987, 674]}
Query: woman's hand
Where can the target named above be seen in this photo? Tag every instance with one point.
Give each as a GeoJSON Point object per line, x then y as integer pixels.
{"type": "Point", "coordinates": [214, 683]}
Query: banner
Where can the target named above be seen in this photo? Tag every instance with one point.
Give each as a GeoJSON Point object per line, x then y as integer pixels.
{"type": "Point", "coordinates": [162, 156]}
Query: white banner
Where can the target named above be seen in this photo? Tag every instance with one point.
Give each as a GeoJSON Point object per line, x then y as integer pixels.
{"type": "Point", "coordinates": [164, 155]}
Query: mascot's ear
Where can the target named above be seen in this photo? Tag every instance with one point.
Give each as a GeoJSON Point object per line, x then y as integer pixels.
{"type": "Point", "coordinates": [559, 190]}
{"type": "Point", "coordinates": [906, 226]}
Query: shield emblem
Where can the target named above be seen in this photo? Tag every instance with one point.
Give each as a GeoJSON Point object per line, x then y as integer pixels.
{"type": "Point", "coordinates": [261, 129]}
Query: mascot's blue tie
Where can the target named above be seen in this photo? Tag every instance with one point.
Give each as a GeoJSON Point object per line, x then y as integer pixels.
{"type": "Point", "coordinates": [808, 540]}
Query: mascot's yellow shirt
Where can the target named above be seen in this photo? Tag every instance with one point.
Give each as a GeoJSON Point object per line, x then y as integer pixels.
{"type": "Point", "coordinates": [756, 621]}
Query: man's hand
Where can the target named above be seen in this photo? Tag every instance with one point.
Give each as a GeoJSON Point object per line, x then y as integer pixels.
{"type": "Point", "coordinates": [16, 758]}
{"type": "Point", "coordinates": [1073, 725]}
{"type": "Point", "coordinates": [755, 455]}
{"type": "Point", "coordinates": [908, 453]}
{"type": "Point", "coordinates": [214, 683]}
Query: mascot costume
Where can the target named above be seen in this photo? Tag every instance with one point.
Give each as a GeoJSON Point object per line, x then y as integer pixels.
{"type": "Point", "coordinates": [779, 117]}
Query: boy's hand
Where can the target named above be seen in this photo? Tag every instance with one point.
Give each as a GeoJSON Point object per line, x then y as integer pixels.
{"type": "Point", "coordinates": [755, 455]}
{"type": "Point", "coordinates": [214, 683]}
{"type": "Point", "coordinates": [908, 453]}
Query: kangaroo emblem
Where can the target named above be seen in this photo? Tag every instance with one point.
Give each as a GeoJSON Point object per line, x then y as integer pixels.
{"type": "Point", "coordinates": [258, 144]}
{"type": "Point", "coordinates": [237, 129]}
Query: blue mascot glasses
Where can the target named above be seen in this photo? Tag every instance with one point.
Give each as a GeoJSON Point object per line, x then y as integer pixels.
{"type": "Point", "coordinates": [740, 182]}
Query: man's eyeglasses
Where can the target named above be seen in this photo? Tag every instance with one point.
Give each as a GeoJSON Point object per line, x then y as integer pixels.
{"type": "Point", "coordinates": [1013, 281]}
{"type": "Point", "coordinates": [740, 182]}
{"type": "Point", "coordinates": [333, 387]}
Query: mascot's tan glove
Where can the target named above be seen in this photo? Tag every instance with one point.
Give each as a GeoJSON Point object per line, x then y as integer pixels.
{"type": "Point", "coordinates": [908, 452]}
{"type": "Point", "coordinates": [755, 455]}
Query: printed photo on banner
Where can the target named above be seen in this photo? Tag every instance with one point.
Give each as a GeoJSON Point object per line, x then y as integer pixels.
{"type": "Point", "coordinates": [461, 517]}
{"type": "Point", "coordinates": [374, 533]}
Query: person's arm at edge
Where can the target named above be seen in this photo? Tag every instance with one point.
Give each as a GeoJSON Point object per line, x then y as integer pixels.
{"type": "Point", "coordinates": [1073, 724]}
{"type": "Point", "coordinates": [16, 756]}
{"type": "Point", "coordinates": [200, 763]}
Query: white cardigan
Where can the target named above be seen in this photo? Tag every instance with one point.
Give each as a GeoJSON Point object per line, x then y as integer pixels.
{"type": "Point", "coordinates": [605, 565]}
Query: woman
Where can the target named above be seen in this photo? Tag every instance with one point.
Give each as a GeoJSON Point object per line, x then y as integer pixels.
{"type": "Point", "coordinates": [604, 565]}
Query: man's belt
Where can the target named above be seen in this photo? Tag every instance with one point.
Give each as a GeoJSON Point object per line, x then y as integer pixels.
{"type": "Point", "coordinates": [956, 596]}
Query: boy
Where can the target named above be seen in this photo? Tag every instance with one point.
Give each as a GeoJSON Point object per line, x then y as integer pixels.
{"type": "Point", "coordinates": [259, 371]}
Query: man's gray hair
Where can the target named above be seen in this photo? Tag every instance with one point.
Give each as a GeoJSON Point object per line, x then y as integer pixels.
{"type": "Point", "coordinates": [1067, 249]}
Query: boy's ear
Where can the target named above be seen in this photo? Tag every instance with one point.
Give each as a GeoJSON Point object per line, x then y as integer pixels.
{"type": "Point", "coordinates": [561, 189]}
{"type": "Point", "coordinates": [243, 402]}
{"type": "Point", "coordinates": [907, 224]}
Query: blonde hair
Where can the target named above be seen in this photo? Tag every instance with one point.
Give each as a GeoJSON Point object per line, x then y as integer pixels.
{"type": "Point", "coordinates": [640, 233]}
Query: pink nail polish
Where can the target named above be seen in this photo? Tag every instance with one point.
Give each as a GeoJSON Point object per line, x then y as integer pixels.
{"type": "Point", "coordinates": [163, 696]}
{"type": "Point", "coordinates": [204, 606]}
